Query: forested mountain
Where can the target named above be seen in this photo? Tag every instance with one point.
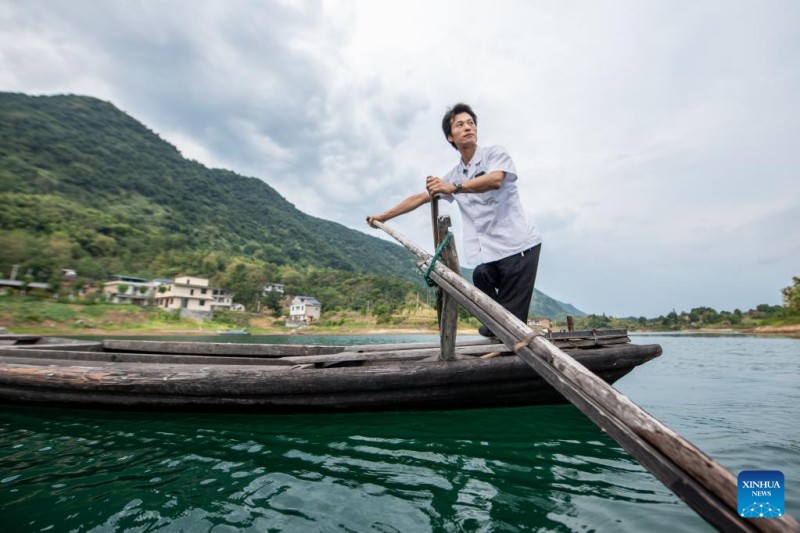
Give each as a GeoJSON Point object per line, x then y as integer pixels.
{"type": "Point", "coordinates": [85, 186]}
{"type": "Point", "coordinates": [79, 166]}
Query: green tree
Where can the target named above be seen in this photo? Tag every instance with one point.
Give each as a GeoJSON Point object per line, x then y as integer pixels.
{"type": "Point", "coordinates": [245, 279]}
{"type": "Point", "coordinates": [791, 296]}
{"type": "Point", "coordinates": [594, 322]}
{"type": "Point", "coordinates": [272, 301]}
{"type": "Point", "coordinates": [672, 320]}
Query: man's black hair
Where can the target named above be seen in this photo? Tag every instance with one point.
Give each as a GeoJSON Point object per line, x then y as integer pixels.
{"type": "Point", "coordinates": [447, 121]}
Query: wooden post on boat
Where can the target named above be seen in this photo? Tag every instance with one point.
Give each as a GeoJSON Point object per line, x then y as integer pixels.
{"type": "Point", "coordinates": [701, 482]}
{"type": "Point", "coordinates": [448, 322]}
{"type": "Point", "coordinates": [437, 239]}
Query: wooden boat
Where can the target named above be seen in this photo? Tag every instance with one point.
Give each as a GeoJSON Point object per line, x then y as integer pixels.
{"type": "Point", "coordinates": [267, 378]}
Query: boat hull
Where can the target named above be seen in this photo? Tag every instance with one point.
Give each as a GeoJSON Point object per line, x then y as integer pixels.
{"type": "Point", "coordinates": [103, 378]}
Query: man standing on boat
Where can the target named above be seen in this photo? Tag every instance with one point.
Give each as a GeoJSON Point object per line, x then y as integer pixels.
{"type": "Point", "coordinates": [497, 232]}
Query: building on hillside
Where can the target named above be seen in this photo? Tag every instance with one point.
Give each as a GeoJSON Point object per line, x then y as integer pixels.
{"type": "Point", "coordinates": [131, 290]}
{"type": "Point", "coordinates": [273, 287]}
{"type": "Point", "coordinates": [192, 296]}
{"type": "Point", "coordinates": [542, 323]}
{"type": "Point", "coordinates": [13, 284]}
{"type": "Point", "coordinates": [303, 311]}
{"type": "Point", "coordinates": [68, 279]}
{"type": "Point", "coordinates": [8, 285]}
{"type": "Point", "coordinates": [223, 299]}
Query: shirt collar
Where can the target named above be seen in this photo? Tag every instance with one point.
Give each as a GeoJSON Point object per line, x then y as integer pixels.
{"type": "Point", "coordinates": [477, 157]}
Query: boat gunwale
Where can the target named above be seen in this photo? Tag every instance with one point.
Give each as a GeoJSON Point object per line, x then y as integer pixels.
{"type": "Point", "coordinates": [217, 378]}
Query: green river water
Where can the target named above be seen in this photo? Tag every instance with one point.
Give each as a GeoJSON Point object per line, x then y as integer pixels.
{"type": "Point", "coordinates": [523, 469]}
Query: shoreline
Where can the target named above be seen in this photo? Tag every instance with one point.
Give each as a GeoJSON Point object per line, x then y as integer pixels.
{"type": "Point", "coordinates": [789, 330]}
{"type": "Point", "coordinates": [96, 332]}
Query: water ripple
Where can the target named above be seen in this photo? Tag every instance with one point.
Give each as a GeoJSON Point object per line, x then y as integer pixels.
{"type": "Point", "coordinates": [526, 469]}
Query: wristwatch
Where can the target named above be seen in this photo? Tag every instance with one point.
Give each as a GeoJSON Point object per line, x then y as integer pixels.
{"type": "Point", "coordinates": [459, 188]}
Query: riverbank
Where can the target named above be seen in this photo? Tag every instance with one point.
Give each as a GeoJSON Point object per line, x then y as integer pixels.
{"type": "Point", "coordinates": [792, 330]}
{"type": "Point", "coordinates": [94, 332]}
{"type": "Point", "coordinates": [47, 317]}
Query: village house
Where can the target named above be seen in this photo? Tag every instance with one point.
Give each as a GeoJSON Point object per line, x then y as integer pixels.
{"type": "Point", "coordinates": [223, 299]}
{"type": "Point", "coordinates": [273, 287]}
{"type": "Point", "coordinates": [542, 323]}
{"type": "Point", "coordinates": [130, 290]}
{"type": "Point", "coordinates": [303, 311]}
{"type": "Point", "coordinates": [68, 277]}
{"type": "Point", "coordinates": [8, 285]}
{"type": "Point", "coordinates": [11, 284]}
{"type": "Point", "coordinates": [192, 296]}
{"type": "Point", "coordinates": [188, 293]}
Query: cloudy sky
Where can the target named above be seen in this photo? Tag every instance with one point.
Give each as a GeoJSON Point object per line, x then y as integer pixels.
{"type": "Point", "coordinates": [657, 142]}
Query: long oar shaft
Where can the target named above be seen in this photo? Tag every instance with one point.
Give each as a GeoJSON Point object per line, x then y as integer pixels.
{"type": "Point", "coordinates": [700, 481]}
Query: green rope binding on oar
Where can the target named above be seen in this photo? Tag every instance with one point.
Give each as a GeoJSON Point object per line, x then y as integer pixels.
{"type": "Point", "coordinates": [436, 255]}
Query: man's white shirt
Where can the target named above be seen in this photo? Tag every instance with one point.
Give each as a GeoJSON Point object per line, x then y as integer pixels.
{"type": "Point", "coordinates": [495, 223]}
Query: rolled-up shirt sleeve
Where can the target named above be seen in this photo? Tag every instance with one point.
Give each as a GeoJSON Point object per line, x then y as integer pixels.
{"type": "Point", "coordinates": [497, 158]}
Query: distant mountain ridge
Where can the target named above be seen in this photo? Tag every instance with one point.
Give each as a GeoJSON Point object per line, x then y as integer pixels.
{"type": "Point", "coordinates": [114, 195]}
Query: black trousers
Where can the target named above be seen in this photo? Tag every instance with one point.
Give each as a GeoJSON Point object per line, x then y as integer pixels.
{"type": "Point", "coordinates": [509, 281]}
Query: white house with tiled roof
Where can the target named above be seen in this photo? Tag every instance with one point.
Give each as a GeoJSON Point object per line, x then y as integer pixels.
{"type": "Point", "coordinates": [305, 309]}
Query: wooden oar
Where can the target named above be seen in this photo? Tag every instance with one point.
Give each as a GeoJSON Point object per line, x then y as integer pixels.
{"type": "Point", "coordinates": [701, 482]}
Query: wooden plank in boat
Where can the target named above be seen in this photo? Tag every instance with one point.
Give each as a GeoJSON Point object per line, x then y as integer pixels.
{"type": "Point", "coordinates": [143, 357]}
{"type": "Point", "coordinates": [566, 344]}
{"type": "Point", "coordinates": [153, 358]}
{"type": "Point", "coordinates": [461, 352]}
{"type": "Point", "coordinates": [217, 348]}
{"type": "Point", "coordinates": [398, 355]}
{"type": "Point", "coordinates": [36, 356]}
{"type": "Point", "coordinates": [263, 350]}
{"type": "Point", "coordinates": [415, 345]}
{"type": "Point", "coordinates": [189, 353]}
{"type": "Point", "coordinates": [14, 339]}
{"type": "Point", "coordinates": [402, 355]}
{"type": "Point", "coordinates": [567, 339]}
{"type": "Point", "coordinates": [586, 334]}
{"type": "Point", "coordinates": [56, 344]}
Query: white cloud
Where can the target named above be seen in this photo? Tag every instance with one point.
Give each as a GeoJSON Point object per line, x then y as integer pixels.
{"type": "Point", "coordinates": [654, 140]}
